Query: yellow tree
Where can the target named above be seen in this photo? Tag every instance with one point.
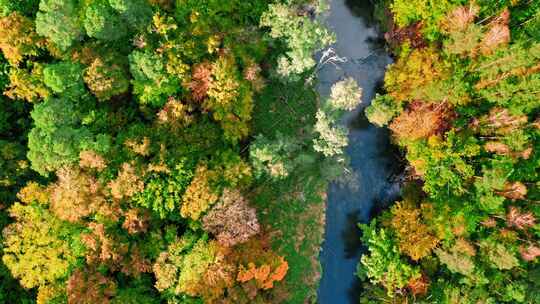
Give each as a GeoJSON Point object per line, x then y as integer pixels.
{"type": "Point", "coordinates": [199, 196]}
{"type": "Point", "coordinates": [415, 238]}
{"type": "Point", "coordinates": [33, 250]}
{"type": "Point", "coordinates": [18, 38]}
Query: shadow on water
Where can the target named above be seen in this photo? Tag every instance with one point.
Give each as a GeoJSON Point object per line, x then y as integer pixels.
{"type": "Point", "coordinates": [360, 122]}
{"type": "Point", "coordinates": [363, 10]}
{"type": "Point", "coordinates": [372, 157]}
{"type": "Point", "coordinates": [351, 235]}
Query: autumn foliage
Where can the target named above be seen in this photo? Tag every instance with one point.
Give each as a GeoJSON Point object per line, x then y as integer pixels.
{"type": "Point", "coordinates": [463, 109]}
{"type": "Point", "coordinates": [231, 220]}
{"type": "Point", "coordinates": [422, 120]}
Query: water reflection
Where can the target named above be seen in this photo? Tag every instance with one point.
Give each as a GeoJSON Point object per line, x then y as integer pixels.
{"type": "Point", "coordinates": [372, 157]}
{"type": "Point", "coordinates": [363, 10]}
{"type": "Point", "coordinates": [351, 235]}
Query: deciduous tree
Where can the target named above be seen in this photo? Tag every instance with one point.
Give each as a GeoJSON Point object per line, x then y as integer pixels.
{"type": "Point", "coordinates": [18, 38]}
{"type": "Point", "coordinates": [384, 264]}
{"type": "Point", "coordinates": [65, 79]}
{"type": "Point", "coordinates": [33, 250]}
{"type": "Point", "coordinates": [230, 99]}
{"type": "Point", "coordinates": [88, 286]}
{"type": "Point", "coordinates": [199, 196]}
{"type": "Point", "coordinates": [415, 238]}
{"type": "Point", "coordinates": [58, 21]}
{"type": "Point", "coordinates": [102, 21]}
{"type": "Point", "coordinates": [231, 220]}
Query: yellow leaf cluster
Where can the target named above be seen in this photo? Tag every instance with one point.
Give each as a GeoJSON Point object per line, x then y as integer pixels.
{"type": "Point", "coordinates": [33, 251]}
{"type": "Point", "coordinates": [18, 38]}
{"type": "Point", "coordinates": [199, 196]}
{"type": "Point", "coordinates": [415, 237]}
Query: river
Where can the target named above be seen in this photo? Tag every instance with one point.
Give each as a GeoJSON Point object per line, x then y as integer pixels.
{"type": "Point", "coordinates": [372, 158]}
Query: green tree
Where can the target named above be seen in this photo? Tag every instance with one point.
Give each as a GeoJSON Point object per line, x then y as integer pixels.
{"type": "Point", "coordinates": [443, 164]}
{"type": "Point", "coordinates": [303, 36]}
{"type": "Point", "coordinates": [163, 191]}
{"type": "Point", "coordinates": [384, 264]}
{"type": "Point", "coordinates": [430, 12]}
{"type": "Point", "coordinates": [382, 110]}
{"type": "Point", "coordinates": [151, 82]}
{"type": "Point", "coordinates": [26, 7]}
{"type": "Point", "coordinates": [277, 158]}
{"type": "Point", "coordinates": [65, 79]}
{"type": "Point", "coordinates": [137, 13]}
{"type": "Point", "coordinates": [58, 20]}
{"type": "Point", "coordinates": [58, 136]}
{"type": "Point", "coordinates": [102, 22]}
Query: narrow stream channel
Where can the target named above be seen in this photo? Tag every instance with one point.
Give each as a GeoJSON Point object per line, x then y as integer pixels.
{"type": "Point", "coordinates": [373, 159]}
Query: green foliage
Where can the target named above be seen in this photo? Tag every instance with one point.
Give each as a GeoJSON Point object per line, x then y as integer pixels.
{"type": "Point", "coordinates": [13, 168]}
{"type": "Point", "coordinates": [136, 13]}
{"type": "Point", "coordinates": [384, 265]}
{"type": "Point", "coordinates": [130, 179]}
{"type": "Point", "coordinates": [150, 81]}
{"type": "Point", "coordinates": [58, 20]}
{"type": "Point", "coordinates": [429, 11]}
{"type": "Point", "coordinates": [141, 293]}
{"type": "Point", "coordinates": [443, 164]}
{"type": "Point", "coordinates": [302, 35]}
{"type": "Point", "coordinates": [163, 191]}
{"type": "Point", "coordinates": [276, 158]}
{"type": "Point", "coordinates": [518, 96]}
{"type": "Point", "coordinates": [493, 179]}
{"type": "Point", "coordinates": [218, 16]}
{"type": "Point", "coordinates": [102, 22]}
{"type": "Point", "coordinates": [27, 7]}
{"type": "Point", "coordinates": [382, 110]}
{"type": "Point", "coordinates": [331, 138]}
{"type": "Point", "coordinates": [65, 79]}
{"type": "Point", "coordinates": [182, 267]}
{"type": "Point", "coordinates": [59, 136]}
{"type": "Point", "coordinates": [509, 78]}
{"type": "Point", "coordinates": [475, 169]}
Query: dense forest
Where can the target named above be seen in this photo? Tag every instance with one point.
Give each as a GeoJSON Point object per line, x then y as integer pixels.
{"type": "Point", "coordinates": [160, 151]}
{"type": "Point", "coordinates": [462, 101]}
{"type": "Point", "coordinates": [177, 151]}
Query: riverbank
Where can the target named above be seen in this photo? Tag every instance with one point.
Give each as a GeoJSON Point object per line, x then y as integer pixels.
{"type": "Point", "coordinates": [461, 101]}
{"type": "Point", "coordinates": [372, 157]}
{"type": "Point", "coordinates": [292, 210]}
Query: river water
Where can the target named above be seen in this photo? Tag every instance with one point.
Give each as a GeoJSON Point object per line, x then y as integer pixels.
{"type": "Point", "coordinates": [373, 159]}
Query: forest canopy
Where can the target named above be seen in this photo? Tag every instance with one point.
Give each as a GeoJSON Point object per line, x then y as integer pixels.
{"type": "Point", "coordinates": [462, 101]}
{"type": "Point", "coordinates": [141, 150]}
